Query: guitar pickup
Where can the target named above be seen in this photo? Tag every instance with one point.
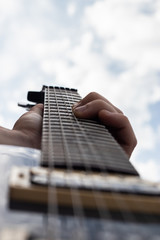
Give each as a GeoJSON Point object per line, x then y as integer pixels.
{"type": "Point", "coordinates": [36, 188]}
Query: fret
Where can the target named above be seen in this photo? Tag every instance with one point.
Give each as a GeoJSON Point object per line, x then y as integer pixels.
{"type": "Point", "coordinates": [80, 136]}
{"type": "Point", "coordinates": [60, 159]}
{"type": "Point", "coordinates": [91, 130]}
{"type": "Point", "coordinates": [99, 142]}
{"type": "Point", "coordinates": [72, 144]}
{"type": "Point", "coordinates": [59, 97]}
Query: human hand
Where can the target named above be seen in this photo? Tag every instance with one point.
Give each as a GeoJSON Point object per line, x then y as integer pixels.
{"type": "Point", "coordinates": [26, 131]}
{"type": "Point", "coordinates": [96, 107]}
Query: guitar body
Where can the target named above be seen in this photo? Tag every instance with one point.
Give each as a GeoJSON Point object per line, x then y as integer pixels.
{"type": "Point", "coordinates": [28, 223]}
{"type": "Point", "coordinates": [15, 156]}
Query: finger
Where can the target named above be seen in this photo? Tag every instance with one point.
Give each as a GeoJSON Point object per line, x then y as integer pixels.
{"type": "Point", "coordinates": [94, 96]}
{"type": "Point", "coordinates": [113, 119]}
{"type": "Point", "coordinates": [35, 114]}
{"type": "Point", "coordinates": [92, 109]}
{"type": "Point", "coordinates": [38, 109]}
{"type": "Point", "coordinates": [120, 128]}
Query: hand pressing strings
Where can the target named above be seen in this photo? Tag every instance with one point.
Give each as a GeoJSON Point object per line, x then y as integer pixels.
{"type": "Point", "coordinates": [28, 128]}
{"type": "Point", "coordinates": [96, 107]}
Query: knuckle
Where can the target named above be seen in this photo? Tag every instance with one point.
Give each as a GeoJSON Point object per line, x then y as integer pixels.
{"type": "Point", "coordinates": [100, 102]}
{"type": "Point", "coordinates": [93, 95]}
{"type": "Point", "coordinates": [119, 111]}
{"type": "Point", "coordinates": [125, 119]}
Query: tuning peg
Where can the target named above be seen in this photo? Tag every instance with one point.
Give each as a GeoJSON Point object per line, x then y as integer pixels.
{"type": "Point", "coordinates": [27, 106]}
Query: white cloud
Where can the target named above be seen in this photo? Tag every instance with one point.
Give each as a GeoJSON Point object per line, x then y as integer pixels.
{"type": "Point", "coordinates": [158, 137]}
{"type": "Point", "coordinates": [8, 8]}
{"type": "Point", "coordinates": [115, 51]}
{"type": "Point", "coordinates": [71, 9]}
{"type": "Point", "coordinates": [149, 170]}
{"type": "Point", "coordinates": [129, 34]}
{"type": "Point", "coordinates": [148, 139]}
{"type": "Point", "coordinates": [9, 67]}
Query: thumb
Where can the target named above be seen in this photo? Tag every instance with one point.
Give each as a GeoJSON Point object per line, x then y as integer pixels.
{"type": "Point", "coordinates": [38, 109]}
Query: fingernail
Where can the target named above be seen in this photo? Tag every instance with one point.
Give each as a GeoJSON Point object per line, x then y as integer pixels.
{"type": "Point", "coordinates": [75, 105]}
{"type": "Point", "coordinates": [80, 109]}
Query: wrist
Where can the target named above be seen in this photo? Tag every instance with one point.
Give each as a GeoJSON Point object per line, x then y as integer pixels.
{"type": "Point", "coordinates": [14, 137]}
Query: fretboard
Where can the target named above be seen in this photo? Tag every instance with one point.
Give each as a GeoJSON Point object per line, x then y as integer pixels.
{"type": "Point", "coordinates": [71, 143]}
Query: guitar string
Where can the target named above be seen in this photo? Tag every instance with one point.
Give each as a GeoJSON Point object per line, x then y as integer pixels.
{"type": "Point", "coordinates": [121, 205]}
{"type": "Point", "coordinates": [52, 194]}
{"type": "Point", "coordinates": [100, 196]}
{"type": "Point", "coordinates": [46, 128]}
{"type": "Point", "coordinates": [54, 231]}
{"type": "Point", "coordinates": [126, 215]}
{"type": "Point", "coordinates": [96, 196]}
{"type": "Point", "coordinates": [77, 208]}
{"type": "Point", "coordinates": [131, 216]}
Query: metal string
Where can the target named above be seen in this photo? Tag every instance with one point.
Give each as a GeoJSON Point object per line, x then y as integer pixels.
{"type": "Point", "coordinates": [77, 208]}
{"type": "Point", "coordinates": [100, 200]}
{"type": "Point", "coordinates": [54, 225]}
{"type": "Point", "coordinates": [98, 197]}
{"type": "Point", "coordinates": [124, 204]}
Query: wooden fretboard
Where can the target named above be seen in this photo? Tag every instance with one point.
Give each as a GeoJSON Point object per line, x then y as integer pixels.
{"type": "Point", "coordinates": [68, 142]}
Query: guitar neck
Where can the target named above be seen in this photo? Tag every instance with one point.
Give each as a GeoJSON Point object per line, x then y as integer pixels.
{"type": "Point", "coordinates": [71, 143]}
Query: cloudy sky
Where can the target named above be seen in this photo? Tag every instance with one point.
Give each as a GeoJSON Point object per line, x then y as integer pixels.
{"type": "Point", "coordinates": [108, 46]}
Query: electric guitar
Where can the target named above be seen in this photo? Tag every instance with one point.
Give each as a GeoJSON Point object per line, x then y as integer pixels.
{"type": "Point", "coordinates": [81, 185]}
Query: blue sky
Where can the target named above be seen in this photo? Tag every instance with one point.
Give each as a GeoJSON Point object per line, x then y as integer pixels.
{"type": "Point", "coordinates": [108, 46]}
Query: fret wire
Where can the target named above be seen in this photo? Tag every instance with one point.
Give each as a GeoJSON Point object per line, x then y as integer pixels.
{"type": "Point", "coordinates": [77, 208]}
{"type": "Point", "coordinates": [53, 217]}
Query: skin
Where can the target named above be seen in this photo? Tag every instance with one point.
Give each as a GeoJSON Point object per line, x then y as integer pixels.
{"type": "Point", "coordinates": [28, 128]}
{"type": "Point", "coordinates": [94, 106]}
{"type": "Point", "coordinates": [26, 131]}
